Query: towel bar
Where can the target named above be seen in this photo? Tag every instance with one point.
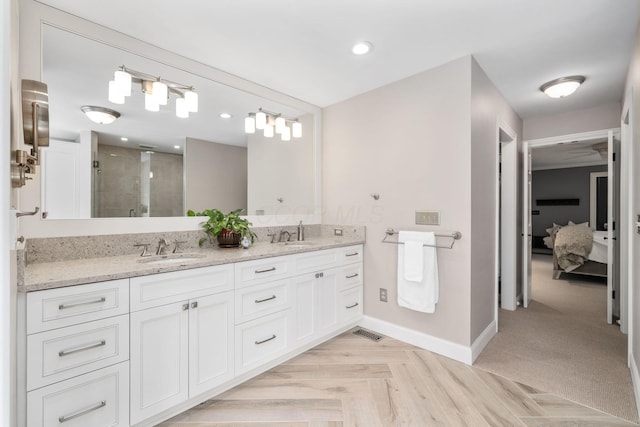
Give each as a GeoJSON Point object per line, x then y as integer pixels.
{"type": "Point", "coordinates": [454, 235]}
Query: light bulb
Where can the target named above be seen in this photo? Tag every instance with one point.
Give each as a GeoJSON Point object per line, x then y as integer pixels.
{"type": "Point", "coordinates": [192, 101]}
{"type": "Point", "coordinates": [115, 95]}
{"type": "Point", "coordinates": [150, 103]}
{"type": "Point", "coordinates": [261, 120]}
{"type": "Point", "coordinates": [250, 124]}
{"type": "Point", "coordinates": [160, 93]}
{"type": "Point", "coordinates": [296, 129]}
{"type": "Point", "coordinates": [280, 124]}
{"type": "Point", "coordinates": [122, 81]}
{"type": "Point", "coordinates": [286, 134]}
{"type": "Point", "coordinates": [181, 108]}
{"type": "Point", "coordinates": [268, 131]}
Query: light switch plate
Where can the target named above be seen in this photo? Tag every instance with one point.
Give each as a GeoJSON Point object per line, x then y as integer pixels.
{"type": "Point", "coordinates": [428, 217]}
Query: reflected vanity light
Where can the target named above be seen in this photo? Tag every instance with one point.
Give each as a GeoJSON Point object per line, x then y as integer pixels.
{"type": "Point", "coordinates": [273, 123]}
{"type": "Point", "coordinates": [156, 90]}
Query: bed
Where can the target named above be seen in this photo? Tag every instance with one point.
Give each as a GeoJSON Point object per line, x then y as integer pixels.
{"type": "Point", "coordinates": [578, 250]}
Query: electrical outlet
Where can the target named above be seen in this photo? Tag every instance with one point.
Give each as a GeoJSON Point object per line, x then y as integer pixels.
{"type": "Point", "coordinates": [427, 217]}
{"type": "Point", "coordinates": [383, 295]}
{"type": "Point", "coordinates": [337, 231]}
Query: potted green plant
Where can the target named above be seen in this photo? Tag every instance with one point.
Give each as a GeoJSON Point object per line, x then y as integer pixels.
{"type": "Point", "coordinates": [228, 229]}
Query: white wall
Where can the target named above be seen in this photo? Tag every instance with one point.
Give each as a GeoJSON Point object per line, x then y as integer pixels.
{"type": "Point", "coordinates": [586, 120]}
{"type": "Point", "coordinates": [216, 176]}
{"type": "Point", "coordinates": [488, 110]}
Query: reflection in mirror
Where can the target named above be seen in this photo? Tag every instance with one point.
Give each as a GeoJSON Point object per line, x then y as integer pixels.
{"type": "Point", "coordinates": [154, 163]}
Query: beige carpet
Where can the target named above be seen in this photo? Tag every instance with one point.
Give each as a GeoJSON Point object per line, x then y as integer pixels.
{"type": "Point", "coordinates": [562, 344]}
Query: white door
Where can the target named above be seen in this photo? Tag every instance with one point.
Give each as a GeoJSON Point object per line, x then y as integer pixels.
{"type": "Point", "coordinates": [612, 276]}
{"type": "Point", "coordinates": [306, 307]}
{"type": "Point", "coordinates": [159, 359]}
{"type": "Point", "coordinates": [65, 188]}
{"type": "Point", "coordinates": [526, 224]}
{"type": "Point", "coordinates": [210, 342]}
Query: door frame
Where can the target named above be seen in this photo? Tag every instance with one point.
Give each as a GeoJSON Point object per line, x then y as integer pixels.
{"type": "Point", "coordinates": [593, 196]}
{"type": "Point", "coordinates": [554, 140]}
{"type": "Point", "coordinates": [506, 226]}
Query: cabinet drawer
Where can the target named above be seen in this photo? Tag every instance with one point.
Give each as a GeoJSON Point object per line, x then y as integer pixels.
{"type": "Point", "coordinates": [253, 272]}
{"type": "Point", "coordinates": [63, 353]}
{"type": "Point", "coordinates": [350, 254]}
{"type": "Point", "coordinates": [262, 340]}
{"type": "Point", "coordinates": [165, 288]}
{"type": "Point", "coordinates": [97, 399]}
{"type": "Point", "coordinates": [350, 276]}
{"type": "Point", "coordinates": [259, 300]}
{"type": "Point", "coordinates": [314, 261]}
{"type": "Point", "coordinates": [350, 305]}
{"type": "Point", "coordinates": [56, 308]}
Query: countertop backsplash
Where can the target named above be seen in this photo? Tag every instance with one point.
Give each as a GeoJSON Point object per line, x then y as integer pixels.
{"type": "Point", "coordinates": [52, 249]}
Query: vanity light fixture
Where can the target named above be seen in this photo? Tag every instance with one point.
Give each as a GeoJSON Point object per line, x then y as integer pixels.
{"type": "Point", "coordinates": [362, 48]}
{"type": "Point", "coordinates": [272, 123]}
{"type": "Point", "coordinates": [100, 115]}
{"type": "Point", "coordinates": [156, 91]}
{"type": "Point", "coordinates": [562, 87]}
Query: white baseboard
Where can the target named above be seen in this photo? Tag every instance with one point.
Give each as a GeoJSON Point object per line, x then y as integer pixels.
{"type": "Point", "coordinates": [635, 379]}
{"type": "Point", "coordinates": [481, 342]}
{"type": "Point", "coordinates": [454, 351]}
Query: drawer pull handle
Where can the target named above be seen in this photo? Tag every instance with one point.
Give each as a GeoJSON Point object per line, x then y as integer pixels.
{"type": "Point", "coordinates": [265, 271]}
{"type": "Point", "coordinates": [78, 304]}
{"type": "Point", "coordinates": [268, 339]}
{"type": "Point", "coordinates": [352, 276]}
{"type": "Point", "coordinates": [62, 353]}
{"type": "Point", "coordinates": [353, 254]}
{"type": "Point", "coordinates": [82, 412]}
{"type": "Point", "coordinates": [258, 301]}
{"type": "Point", "coordinates": [351, 306]}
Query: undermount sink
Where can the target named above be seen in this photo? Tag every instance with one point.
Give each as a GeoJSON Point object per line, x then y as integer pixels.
{"type": "Point", "coordinates": [171, 259]}
{"type": "Point", "coordinates": [298, 244]}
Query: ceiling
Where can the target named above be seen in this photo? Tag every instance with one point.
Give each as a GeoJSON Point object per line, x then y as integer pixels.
{"type": "Point", "coordinates": [302, 48]}
{"type": "Point", "coordinates": [590, 152]}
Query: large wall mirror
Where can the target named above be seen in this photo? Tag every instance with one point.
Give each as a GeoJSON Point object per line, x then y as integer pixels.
{"type": "Point", "coordinates": [155, 164]}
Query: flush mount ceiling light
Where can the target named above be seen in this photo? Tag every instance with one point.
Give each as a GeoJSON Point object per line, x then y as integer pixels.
{"type": "Point", "coordinates": [156, 91]}
{"type": "Point", "coordinates": [272, 123]}
{"type": "Point", "coordinates": [564, 86]}
{"type": "Point", "coordinates": [100, 115]}
{"type": "Point", "coordinates": [225, 115]}
{"type": "Point", "coordinates": [362, 48]}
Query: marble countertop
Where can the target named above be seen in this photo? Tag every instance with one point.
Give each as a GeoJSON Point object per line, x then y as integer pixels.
{"type": "Point", "coordinates": [50, 275]}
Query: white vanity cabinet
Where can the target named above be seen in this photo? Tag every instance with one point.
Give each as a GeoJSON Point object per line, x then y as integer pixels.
{"type": "Point", "coordinates": [181, 337]}
{"type": "Point", "coordinates": [77, 351]}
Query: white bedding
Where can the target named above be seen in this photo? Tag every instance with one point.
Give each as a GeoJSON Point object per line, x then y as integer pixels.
{"type": "Point", "coordinates": [600, 247]}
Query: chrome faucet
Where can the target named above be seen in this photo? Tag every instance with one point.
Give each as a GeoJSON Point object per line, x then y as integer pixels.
{"type": "Point", "coordinates": [283, 232]}
{"type": "Point", "coordinates": [162, 247]}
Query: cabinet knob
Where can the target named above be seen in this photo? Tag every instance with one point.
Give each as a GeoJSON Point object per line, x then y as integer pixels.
{"type": "Point", "coordinates": [194, 304]}
{"type": "Point", "coordinates": [185, 306]}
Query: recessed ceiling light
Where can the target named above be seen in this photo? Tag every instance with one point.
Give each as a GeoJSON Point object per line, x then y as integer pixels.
{"type": "Point", "coordinates": [362, 48]}
{"type": "Point", "coordinates": [124, 139]}
{"type": "Point", "coordinates": [564, 86]}
{"type": "Point", "coordinates": [225, 115]}
{"type": "Point", "coordinates": [177, 147]}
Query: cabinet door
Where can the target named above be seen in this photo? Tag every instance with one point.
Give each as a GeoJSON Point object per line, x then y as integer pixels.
{"type": "Point", "coordinates": [210, 342]}
{"type": "Point", "coordinates": [305, 308]}
{"type": "Point", "coordinates": [159, 359]}
{"type": "Point", "coordinates": [326, 299]}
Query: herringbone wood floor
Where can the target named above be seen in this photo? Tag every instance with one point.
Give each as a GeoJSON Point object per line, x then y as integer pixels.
{"type": "Point", "coordinates": [353, 381]}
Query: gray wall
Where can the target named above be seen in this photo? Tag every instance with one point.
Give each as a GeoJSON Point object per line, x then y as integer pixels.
{"type": "Point", "coordinates": [569, 183]}
{"type": "Point", "coordinates": [589, 119]}
{"type": "Point", "coordinates": [216, 176]}
{"type": "Point", "coordinates": [411, 142]}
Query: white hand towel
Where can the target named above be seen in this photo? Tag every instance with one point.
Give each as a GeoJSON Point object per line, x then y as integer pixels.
{"type": "Point", "coordinates": [413, 261]}
{"type": "Point", "coordinates": [423, 295]}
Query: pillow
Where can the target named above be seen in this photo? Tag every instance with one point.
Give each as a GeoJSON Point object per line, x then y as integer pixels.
{"type": "Point", "coordinates": [586, 224]}
{"type": "Point", "coordinates": [553, 230]}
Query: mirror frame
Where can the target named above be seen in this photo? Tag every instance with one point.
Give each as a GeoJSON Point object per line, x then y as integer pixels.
{"type": "Point", "coordinates": [33, 16]}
